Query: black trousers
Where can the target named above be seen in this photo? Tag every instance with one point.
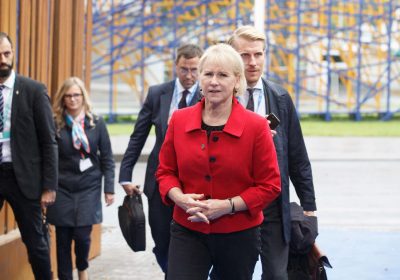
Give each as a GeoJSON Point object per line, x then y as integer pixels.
{"type": "Point", "coordinates": [160, 217]}
{"type": "Point", "coordinates": [28, 214]}
{"type": "Point", "coordinates": [232, 255]}
{"type": "Point", "coordinates": [274, 252]}
{"type": "Point", "coordinates": [64, 237]}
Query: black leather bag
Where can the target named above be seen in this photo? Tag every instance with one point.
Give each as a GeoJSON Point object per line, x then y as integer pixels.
{"type": "Point", "coordinates": [317, 263]}
{"type": "Point", "coordinates": [304, 230]}
{"type": "Point", "coordinates": [306, 261]}
{"type": "Point", "coordinates": [132, 222]}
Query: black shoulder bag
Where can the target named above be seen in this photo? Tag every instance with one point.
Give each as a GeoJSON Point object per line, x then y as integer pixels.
{"type": "Point", "coordinates": [132, 222]}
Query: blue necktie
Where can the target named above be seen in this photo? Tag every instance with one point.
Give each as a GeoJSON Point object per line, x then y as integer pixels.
{"type": "Point", "coordinates": [2, 124]}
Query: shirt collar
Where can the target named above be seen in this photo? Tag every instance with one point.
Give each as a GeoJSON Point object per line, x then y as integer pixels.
{"type": "Point", "coordinates": [259, 84]}
{"type": "Point", "coordinates": [180, 88]}
{"type": "Point", "coordinates": [234, 125]}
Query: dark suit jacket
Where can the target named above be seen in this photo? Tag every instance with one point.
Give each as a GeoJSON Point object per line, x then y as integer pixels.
{"type": "Point", "coordinates": [293, 160]}
{"type": "Point", "coordinates": [155, 111]}
{"type": "Point", "coordinates": [33, 139]}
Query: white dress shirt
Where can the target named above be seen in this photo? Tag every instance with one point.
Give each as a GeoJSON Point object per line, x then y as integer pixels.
{"type": "Point", "coordinates": [258, 97]}
{"type": "Point", "coordinates": [7, 97]}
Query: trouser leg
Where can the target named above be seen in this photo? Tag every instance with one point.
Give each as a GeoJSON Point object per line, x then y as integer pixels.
{"type": "Point", "coordinates": [235, 254]}
{"type": "Point", "coordinates": [28, 214]}
{"type": "Point", "coordinates": [64, 258]}
{"type": "Point", "coordinates": [189, 256]}
{"type": "Point", "coordinates": [81, 236]}
{"type": "Point", "coordinates": [160, 217]}
{"type": "Point", "coordinates": [274, 252]}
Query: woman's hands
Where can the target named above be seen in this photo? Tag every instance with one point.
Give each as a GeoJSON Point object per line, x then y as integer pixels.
{"type": "Point", "coordinates": [204, 210]}
{"type": "Point", "coordinates": [189, 201]}
{"type": "Point", "coordinates": [214, 209]}
{"type": "Point", "coordinates": [109, 198]}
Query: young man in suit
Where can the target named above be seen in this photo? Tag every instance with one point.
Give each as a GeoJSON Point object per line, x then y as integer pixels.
{"type": "Point", "coordinates": [265, 97]}
{"type": "Point", "coordinates": [161, 101]}
{"type": "Point", "coordinates": [28, 156]}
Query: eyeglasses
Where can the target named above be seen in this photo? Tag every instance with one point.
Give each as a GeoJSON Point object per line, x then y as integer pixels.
{"type": "Point", "coordinates": [72, 95]}
{"type": "Point", "coordinates": [185, 71]}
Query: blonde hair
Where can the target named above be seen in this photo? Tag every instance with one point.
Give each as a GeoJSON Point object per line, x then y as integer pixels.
{"type": "Point", "coordinates": [59, 106]}
{"type": "Point", "coordinates": [224, 54]}
{"type": "Point", "coordinates": [249, 33]}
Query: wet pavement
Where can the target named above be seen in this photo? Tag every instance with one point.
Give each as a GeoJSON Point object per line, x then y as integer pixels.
{"type": "Point", "coordinates": [357, 190]}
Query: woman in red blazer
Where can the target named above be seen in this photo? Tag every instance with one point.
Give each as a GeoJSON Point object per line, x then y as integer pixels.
{"type": "Point", "coordinates": [218, 167]}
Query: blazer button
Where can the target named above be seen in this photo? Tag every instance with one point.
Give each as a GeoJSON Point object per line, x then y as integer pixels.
{"type": "Point", "coordinates": [215, 138]}
{"type": "Point", "coordinates": [207, 178]}
{"type": "Point", "coordinates": [212, 159]}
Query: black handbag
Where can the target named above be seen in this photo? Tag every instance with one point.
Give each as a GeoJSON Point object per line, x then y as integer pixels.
{"type": "Point", "coordinates": [132, 222]}
{"type": "Point", "coordinates": [317, 263]}
{"type": "Point", "coordinates": [306, 261]}
{"type": "Point", "coordinates": [309, 266]}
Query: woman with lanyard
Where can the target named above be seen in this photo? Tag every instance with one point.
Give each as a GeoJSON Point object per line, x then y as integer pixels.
{"type": "Point", "coordinates": [85, 156]}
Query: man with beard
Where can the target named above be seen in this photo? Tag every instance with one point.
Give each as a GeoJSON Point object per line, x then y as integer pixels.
{"type": "Point", "coordinates": [28, 156]}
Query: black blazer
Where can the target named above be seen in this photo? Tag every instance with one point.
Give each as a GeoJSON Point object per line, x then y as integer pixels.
{"type": "Point", "coordinates": [33, 139]}
{"type": "Point", "coordinates": [293, 160]}
{"type": "Point", "coordinates": [155, 111]}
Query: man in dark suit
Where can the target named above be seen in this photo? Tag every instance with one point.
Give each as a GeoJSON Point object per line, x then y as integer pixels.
{"type": "Point", "coordinates": [28, 156]}
{"type": "Point", "coordinates": [161, 101]}
{"type": "Point", "coordinates": [265, 97]}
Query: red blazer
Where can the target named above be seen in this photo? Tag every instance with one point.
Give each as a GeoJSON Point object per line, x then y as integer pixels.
{"type": "Point", "coordinates": [240, 160]}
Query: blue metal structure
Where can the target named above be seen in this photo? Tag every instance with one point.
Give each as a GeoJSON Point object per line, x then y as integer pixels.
{"type": "Point", "coordinates": [134, 41]}
{"type": "Point", "coordinates": [334, 57]}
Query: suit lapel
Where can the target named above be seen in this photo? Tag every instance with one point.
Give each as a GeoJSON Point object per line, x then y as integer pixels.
{"type": "Point", "coordinates": [275, 107]}
{"type": "Point", "coordinates": [196, 97]}
{"type": "Point", "coordinates": [165, 104]}
{"type": "Point", "coordinates": [17, 92]}
{"type": "Point", "coordinates": [270, 97]}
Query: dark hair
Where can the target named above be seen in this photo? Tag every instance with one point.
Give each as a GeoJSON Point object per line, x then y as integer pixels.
{"type": "Point", "coordinates": [188, 51]}
{"type": "Point", "coordinates": [5, 35]}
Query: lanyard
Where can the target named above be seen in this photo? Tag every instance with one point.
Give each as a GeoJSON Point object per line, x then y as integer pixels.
{"type": "Point", "coordinates": [260, 96]}
{"type": "Point", "coordinates": [5, 134]}
{"type": "Point", "coordinates": [6, 109]}
{"type": "Point", "coordinates": [260, 93]}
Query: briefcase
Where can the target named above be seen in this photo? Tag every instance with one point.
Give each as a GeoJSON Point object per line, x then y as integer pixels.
{"type": "Point", "coordinates": [132, 222]}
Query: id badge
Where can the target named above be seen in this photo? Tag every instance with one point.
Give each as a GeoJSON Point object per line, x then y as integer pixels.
{"type": "Point", "coordinates": [85, 164]}
{"type": "Point", "coordinates": [4, 136]}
